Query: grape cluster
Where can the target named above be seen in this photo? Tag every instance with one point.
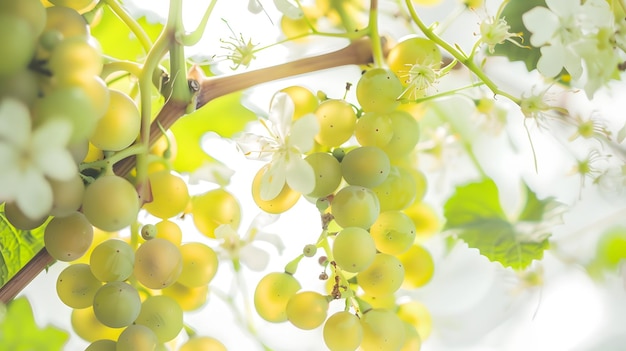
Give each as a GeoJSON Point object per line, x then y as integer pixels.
{"type": "Point", "coordinates": [369, 195]}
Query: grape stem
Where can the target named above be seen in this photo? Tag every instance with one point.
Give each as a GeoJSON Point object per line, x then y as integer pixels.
{"type": "Point", "coordinates": [131, 23]}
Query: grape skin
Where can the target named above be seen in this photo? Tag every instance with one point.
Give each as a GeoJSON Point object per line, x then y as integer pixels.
{"type": "Point", "coordinates": [137, 338]}
{"type": "Point", "coordinates": [116, 304]}
{"type": "Point", "coordinates": [382, 330]}
{"type": "Point", "coordinates": [307, 309]}
{"type": "Point", "coordinates": [271, 295]}
{"type": "Point", "coordinates": [378, 90]}
{"type": "Point", "coordinates": [158, 263]}
{"type": "Point", "coordinates": [76, 286]}
{"type": "Point", "coordinates": [383, 277]}
{"type": "Point", "coordinates": [162, 315]}
{"type": "Point", "coordinates": [367, 166]}
{"type": "Point", "coordinates": [353, 249]}
{"type": "Point", "coordinates": [199, 265]}
{"type": "Point", "coordinates": [343, 332]}
{"type": "Point", "coordinates": [111, 203]}
{"type": "Point", "coordinates": [112, 260]}
{"type": "Point", "coordinates": [68, 238]}
{"type": "Point", "coordinates": [355, 206]}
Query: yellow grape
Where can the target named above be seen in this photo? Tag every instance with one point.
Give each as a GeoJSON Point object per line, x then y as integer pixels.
{"type": "Point", "coordinates": [89, 328]}
{"type": "Point", "coordinates": [111, 203]}
{"type": "Point", "coordinates": [120, 125]}
{"type": "Point", "coordinates": [169, 231]}
{"type": "Point", "coordinates": [67, 196]}
{"type": "Point", "coordinates": [96, 89]}
{"type": "Point", "coordinates": [412, 340]}
{"type": "Point", "coordinates": [102, 345]}
{"type": "Point", "coordinates": [383, 277]}
{"type": "Point", "coordinates": [79, 5]}
{"type": "Point", "coordinates": [189, 299]}
{"type": "Point", "coordinates": [405, 134]}
{"type": "Point", "coordinates": [32, 11]}
{"type": "Point", "coordinates": [355, 206]}
{"type": "Point", "coordinates": [378, 90]}
{"type": "Point", "coordinates": [116, 304]}
{"type": "Point", "coordinates": [417, 315]}
{"type": "Point", "coordinates": [272, 294]}
{"type": "Point", "coordinates": [387, 302]}
{"type": "Point", "coordinates": [419, 266]}
{"type": "Point", "coordinates": [397, 191]}
{"type": "Point", "coordinates": [158, 263]}
{"type": "Point", "coordinates": [99, 236]}
{"type": "Point", "coordinates": [285, 200]}
{"type": "Point", "coordinates": [202, 343]}
{"type": "Point", "coordinates": [393, 232]}
{"type": "Point", "coordinates": [327, 173]}
{"type": "Point", "coordinates": [373, 129]}
{"type": "Point", "coordinates": [412, 50]}
{"type": "Point", "coordinates": [366, 166]}
{"type": "Point", "coordinates": [18, 43]}
{"type": "Point", "coordinates": [137, 337]}
{"type": "Point", "coordinates": [304, 100]}
{"type": "Point", "coordinates": [307, 309]}
{"type": "Point", "coordinates": [382, 330]}
{"type": "Point", "coordinates": [170, 195]}
{"type": "Point", "coordinates": [75, 58]}
{"type": "Point", "coordinates": [163, 315]}
{"type": "Point", "coordinates": [292, 28]}
{"type": "Point", "coordinates": [68, 238]}
{"type": "Point", "coordinates": [112, 260]}
{"type": "Point", "coordinates": [426, 220]}
{"type": "Point", "coordinates": [19, 220]}
{"type": "Point", "coordinates": [76, 286]}
{"type": "Point", "coordinates": [93, 154]}
{"type": "Point", "coordinates": [353, 249]}
{"type": "Point", "coordinates": [66, 21]}
{"type": "Point", "coordinates": [337, 121]}
{"type": "Point", "coordinates": [214, 208]}
{"type": "Point", "coordinates": [343, 332]}
{"type": "Point", "coordinates": [199, 265]}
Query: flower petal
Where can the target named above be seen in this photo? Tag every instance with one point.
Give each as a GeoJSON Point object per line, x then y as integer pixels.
{"type": "Point", "coordinates": [281, 113]}
{"type": "Point", "coordinates": [34, 196]}
{"type": "Point", "coordinates": [563, 8]}
{"type": "Point", "coordinates": [213, 172]}
{"type": "Point", "coordinates": [262, 220]}
{"type": "Point", "coordinates": [15, 123]}
{"type": "Point", "coordinates": [303, 132]}
{"type": "Point", "coordinates": [256, 259]}
{"type": "Point", "coordinates": [272, 239]}
{"type": "Point", "coordinates": [273, 180]}
{"type": "Point", "coordinates": [256, 147]}
{"type": "Point", "coordinates": [226, 232]}
{"type": "Point", "coordinates": [300, 175]}
{"type": "Point", "coordinates": [55, 133]}
{"type": "Point", "coordinates": [551, 61]}
{"type": "Point", "coordinates": [542, 23]}
{"type": "Point", "coordinates": [255, 6]}
{"type": "Point", "coordinates": [10, 176]}
{"type": "Point", "coordinates": [288, 9]}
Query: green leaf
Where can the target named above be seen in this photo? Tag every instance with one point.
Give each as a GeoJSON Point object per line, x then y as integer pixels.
{"type": "Point", "coordinates": [224, 116]}
{"type": "Point", "coordinates": [474, 211]}
{"type": "Point", "coordinates": [512, 13]}
{"type": "Point", "coordinates": [17, 247]}
{"type": "Point", "coordinates": [19, 332]}
{"type": "Point", "coordinates": [117, 40]}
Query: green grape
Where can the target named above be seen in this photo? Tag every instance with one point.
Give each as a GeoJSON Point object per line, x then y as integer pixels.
{"type": "Point", "coordinates": [137, 337]}
{"type": "Point", "coordinates": [75, 58]}
{"type": "Point", "coordinates": [383, 277]}
{"type": "Point", "coordinates": [411, 51]}
{"type": "Point", "coordinates": [214, 208]}
{"type": "Point", "coordinates": [412, 340]}
{"type": "Point", "coordinates": [382, 330]}
{"type": "Point", "coordinates": [285, 200]}
{"type": "Point", "coordinates": [112, 260]}
{"type": "Point", "coordinates": [67, 196]}
{"type": "Point", "coordinates": [343, 332]}
{"type": "Point", "coordinates": [309, 250]}
{"type": "Point", "coordinates": [66, 21]}
{"type": "Point", "coordinates": [355, 206]}
{"type": "Point", "coordinates": [378, 91]}
{"type": "Point", "coordinates": [416, 314]}
{"type": "Point", "coordinates": [96, 89]}
{"type": "Point", "coordinates": [373, 129]}
{"type": "Point", "coordinates": [68, 238]}
{"type": "Point", "coordinates": [419, 266]}
{"type": "Point", "coordinates": [163, 315]}
{"type": "Point", "coordinates": [148, 231]}
{"type": "Point", "coordinates": [76, 286]}
{"type": "Point", "coordinates": [170, 195]}
{"type": "Point", "coordinates": [353, 249]}
{"type": "Point", "coordinates": [199, 265]}
{"type": "Point", "coordinates": [304, 100]}
{"type": "Point", "coordinates": [272, 294]}
{"type": "Point", "coordinates": [71, 103]}
{"type": "Point", "coordinates": [89, 328]}
{"type": "Point", "coordinates": [102, 345]}
{"type": "Point", "coordinates": [393, 232]}
{"type": "Point", "coordinates": [32, 11]}
{"type": "Point", "coordinates": [158, 263]}
{"type": "Point", "coordinates": [19, 220]}
{"type": "Point", "coordinates": [169, 231]}
{"type": "Point", "coordinates": [189, 299]}
{"type": "Point", "coordinates": [116, 304]}
{"type": "Point", "coordinates": [366, 166]}
{"type": "Point", "coordinates": [111, 203]}
{"type": "Point", "coordinates": [397, 191]}
{"type": "Point", "coordinates": [405, 134]}
{"type": "Point", "coordinates": [327, 173]}
{"type": "Point", "coordinates": [202, 343]}
{"type": "Point", "coordinates": [120, 125]}
{"type": "Point", "coordinates": [337, 121]}
{"type": "Point", "coordinates": [307, 309]}
{"type": "Point", "coordinates": [18, 43]}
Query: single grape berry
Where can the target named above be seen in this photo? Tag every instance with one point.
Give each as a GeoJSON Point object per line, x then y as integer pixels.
{"type": "Point", "coordinates": [148, 231]}
{"type": "Point", "coordinates": [309, 250]}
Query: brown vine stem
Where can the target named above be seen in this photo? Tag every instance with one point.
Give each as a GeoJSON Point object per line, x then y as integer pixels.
{"type": "Point", "coordinates": [359, 52]}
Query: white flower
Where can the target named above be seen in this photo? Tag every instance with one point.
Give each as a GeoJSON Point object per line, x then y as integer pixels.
{"type": "Point", "coordinates": [496, 31]}
{"type": "Point", "coordinates": [29, 156]}
{"type": "Point", "coordinates": [286, 143]}
{"type": "Point", "coordinates": [242, 249]}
